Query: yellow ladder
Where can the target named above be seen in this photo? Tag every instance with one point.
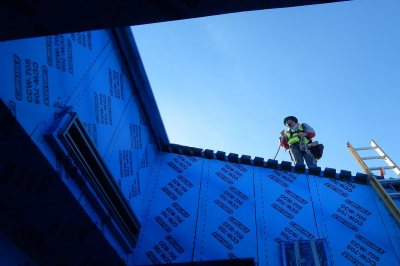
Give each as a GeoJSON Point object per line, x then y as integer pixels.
{"type": "Point", "coordinates": [387, 189]}
{"type": "Point", "coordinates": [381, 156]}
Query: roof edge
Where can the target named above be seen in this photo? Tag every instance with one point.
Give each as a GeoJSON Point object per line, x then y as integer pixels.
{"type": "Point", "coordinates": [136, 71]}
{"type": "Point", "coordinates": [342, 175]}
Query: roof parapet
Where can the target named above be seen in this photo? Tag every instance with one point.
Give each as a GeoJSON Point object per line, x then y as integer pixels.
{"type": "Point", "coordinates": [342, 175]}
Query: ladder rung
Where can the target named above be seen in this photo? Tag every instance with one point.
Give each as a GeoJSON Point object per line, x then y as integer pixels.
{"type": "Point", "coordinates": [394, 195]}
{"type": "Point", "coordinates": [389, 161]}
{"type": "Point", "coordinates": [363, 148]}
{"type": "Point", "coordinates": [372, 158]}
{"type": "Point", "coordinates": [382, 167]}
{"type": "Point", "coordinates": [395, 181]}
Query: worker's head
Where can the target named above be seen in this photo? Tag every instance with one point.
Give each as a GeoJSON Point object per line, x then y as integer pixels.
{"type": "Point", "coordinates": [290, 121]}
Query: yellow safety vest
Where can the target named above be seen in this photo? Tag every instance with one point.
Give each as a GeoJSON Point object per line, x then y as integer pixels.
{"type": "Point", "coordinates": [293, 137]}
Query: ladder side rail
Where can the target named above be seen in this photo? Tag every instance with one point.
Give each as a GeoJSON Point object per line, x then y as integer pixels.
{"type": "Point", "coordinates": [358, 158]}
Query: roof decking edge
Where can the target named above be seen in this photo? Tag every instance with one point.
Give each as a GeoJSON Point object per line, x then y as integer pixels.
{"type": "Point", "coordinates": [331, 173]}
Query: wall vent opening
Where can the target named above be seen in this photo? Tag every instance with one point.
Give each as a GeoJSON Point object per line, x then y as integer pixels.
{"type": "Point", "coordinates": [79, 145]}
{"type": "Point", "coordinates": [305, 252]}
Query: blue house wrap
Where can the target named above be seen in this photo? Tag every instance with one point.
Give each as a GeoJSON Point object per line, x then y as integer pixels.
{"type": "Point", "coordinates": [88, 176]}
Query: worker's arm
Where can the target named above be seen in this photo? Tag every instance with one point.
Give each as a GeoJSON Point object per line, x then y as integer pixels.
{"type": "Point", "coordinates": [309, 135]}
{"type": "Point", "coordinates": [308, 131]}
{"type": "Point", "coordinates": [283, 140]}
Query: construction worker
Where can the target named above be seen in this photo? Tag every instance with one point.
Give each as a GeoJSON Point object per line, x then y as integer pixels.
{"type": "Point", "coordinates": [296, 139]}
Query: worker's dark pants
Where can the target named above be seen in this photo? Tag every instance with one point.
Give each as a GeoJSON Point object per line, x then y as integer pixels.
{"type": "Point", "coordinates": [301, 156]}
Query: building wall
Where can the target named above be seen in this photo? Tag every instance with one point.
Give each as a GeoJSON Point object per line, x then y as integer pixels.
{"type": "Point", "coordinates": [44, 79]}
{"type": "Point", "coordinates": [191, 208]}
{"type": "Point", "coordinates": [207, 209]}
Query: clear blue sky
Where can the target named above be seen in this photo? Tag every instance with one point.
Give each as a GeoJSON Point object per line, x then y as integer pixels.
{"type": "Point", "coordinates": [226, 82]}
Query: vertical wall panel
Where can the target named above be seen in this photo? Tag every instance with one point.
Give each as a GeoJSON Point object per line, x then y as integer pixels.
{"type": "Point", "coordinates": [226, 225]}
{"type": "Point", "coordinates": [354, 227]}
{"type": "Point", "coordinates": [169, 229]}
{"type": "Point", "coordinates": [390, 224]}
{"type": "Point", "coordinates": [130, 156]}
{"type": "Point", "coordinates": [286, 211]}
